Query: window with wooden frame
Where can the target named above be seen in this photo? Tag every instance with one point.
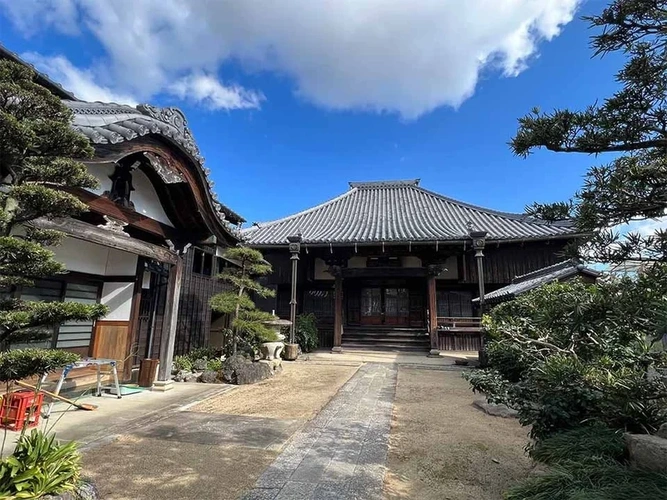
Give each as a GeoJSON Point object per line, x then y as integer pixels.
{"type": "Point", "coordinates": [383, 261]}
{"type": "Point", "coordinates": [454, 303]}
{"type": "Point", "coordinates": [73, 334]}
{"type": "Point", "coordinates": [202, 262]}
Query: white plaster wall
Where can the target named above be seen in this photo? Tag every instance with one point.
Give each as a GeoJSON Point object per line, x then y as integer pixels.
{"type": "Point", "coordinates": [101, 171]}
{"type": "Point", "coordinates": [118, 297]}
{"type": "Point", "coordinates": [145, 199]}
{"type": "Point", "coordinates": [85, 257]}
{"type": "Point", "coordinates": [82, 256]}
{"type": "Point", "coordinates": [144, 196]}
{"type": "Point", "coordinates": [411, 261]}
{"type": "Point", "coordinates": [451, 271]}
{"type": "Point", "coordinates": [356, 262]}
{"type": "Point", "coordinates": [321, 270]}
{"type": "Point", "coordinates": [121, 263]}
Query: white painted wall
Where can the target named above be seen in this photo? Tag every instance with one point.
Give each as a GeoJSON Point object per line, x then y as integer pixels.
{"type": "Point", "coordinates": [451, 271]}
{"type": "Point", "coordinates": [118, 297]}
{"type": "Point", "coordinates": [411, 261]}
{"type": "Point", "coordinates": [321, 272]}
{"type": "Point", "coordinates": [356, 262]}
{"type": "Point", "coordinates": [86, 257]}
{"type": "Point", "coordinates": [144, 196]}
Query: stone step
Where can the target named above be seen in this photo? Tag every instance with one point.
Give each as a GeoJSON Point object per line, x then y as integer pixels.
{"type": "Point", "coordinates": [354, 346]}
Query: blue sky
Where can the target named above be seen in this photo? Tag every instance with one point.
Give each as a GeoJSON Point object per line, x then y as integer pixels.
{"type": "Point", "coordinates": [283, 136]}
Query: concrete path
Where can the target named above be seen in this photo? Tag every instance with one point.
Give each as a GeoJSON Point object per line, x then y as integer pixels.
{"type": "Point", "coordinates": [341, 453]}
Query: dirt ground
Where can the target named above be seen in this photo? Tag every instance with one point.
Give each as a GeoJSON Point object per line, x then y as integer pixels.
{"type": "Point", "coordinates": [442, 448]}
{"type": "Point", "coordinates": [135, 468]}
{"type": "Point", "coordinates": [300, 391]}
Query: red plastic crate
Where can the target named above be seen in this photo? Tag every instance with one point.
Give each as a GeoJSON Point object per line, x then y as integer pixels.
{"type": "Point", "coordinates": [18, 407]}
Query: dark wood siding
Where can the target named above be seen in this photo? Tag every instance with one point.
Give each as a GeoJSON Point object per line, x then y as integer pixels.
{"type": "Point", "coordinates": [194, 311]}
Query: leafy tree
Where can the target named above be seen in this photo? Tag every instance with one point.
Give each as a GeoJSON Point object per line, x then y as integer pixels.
{"type": "Point", "coordinates": [567, 354]}
{"type": "Point", "coordinates": [38, 154]}
{"type": "Point", "coordinates": [247, 320]}
{"type": "Point", "coordinates": [631, 125]}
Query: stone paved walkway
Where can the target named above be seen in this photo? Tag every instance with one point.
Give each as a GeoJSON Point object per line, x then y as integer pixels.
{"type": "Point", "coordinates": [341, 453]}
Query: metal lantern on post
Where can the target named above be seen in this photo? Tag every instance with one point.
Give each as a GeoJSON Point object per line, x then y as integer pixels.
{"type": "Point", "coordinates": [294, 249]}
{"type": "Point", "coordinates": [478, 244]}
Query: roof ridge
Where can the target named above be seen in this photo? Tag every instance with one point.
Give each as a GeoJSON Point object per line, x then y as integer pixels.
{"type": "Point", "coordinates": [262, 225]}
{"type": "Point", "coordinates": [511, 215]}
{"type": "Point", "coordinates": [384, 184]}
{"type": "Point", "coordinates": [547, 270]}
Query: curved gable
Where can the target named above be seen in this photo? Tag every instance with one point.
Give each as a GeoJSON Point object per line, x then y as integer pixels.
{"type": "Point", "coordinates": [169, 156]}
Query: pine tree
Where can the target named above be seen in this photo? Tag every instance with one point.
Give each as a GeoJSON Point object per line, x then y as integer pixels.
{"type": "Point", "coordinates": [631, 124]}
{"type": "Point", "coordinates": [38, 154]}
{"type": "Point", "coordinates": [247, 321]}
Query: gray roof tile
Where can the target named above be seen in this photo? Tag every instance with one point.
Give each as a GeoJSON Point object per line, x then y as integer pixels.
{"type": "Point", "coordinates": [526, 282]}
{"type": "Point", "coordinates": [110, 123]}
{"type": "Point", "coordinates": [393, 211]}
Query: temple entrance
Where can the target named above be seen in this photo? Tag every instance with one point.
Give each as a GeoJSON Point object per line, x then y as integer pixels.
{"type": "Point", "coordinates": [393, 305]}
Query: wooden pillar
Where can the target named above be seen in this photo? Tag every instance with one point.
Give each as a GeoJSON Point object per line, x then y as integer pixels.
{"type": "Point", "coordinates": [169, 329]}
{"type": "Point", "coordinates": [338, 312]}
{"type": "Point", "coordinates": [433, 315]}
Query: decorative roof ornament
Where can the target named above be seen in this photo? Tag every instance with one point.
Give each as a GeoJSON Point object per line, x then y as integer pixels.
{"type": "Point", "coordinates": [114, 225]}
{"type": "Point", "coordinates": [175, 118]}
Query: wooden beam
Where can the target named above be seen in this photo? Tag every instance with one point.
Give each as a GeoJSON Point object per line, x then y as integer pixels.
{"type": "Point", "coordinates": [168, 341]}
{"type": "Point", "coordinates": [103, 205]}
{"type": "Point", "coordinates": [88, 232]}
{"type": "Point", "coordinates": [433, 315]}
{"type": "Point", "coordinates": [338, 313]}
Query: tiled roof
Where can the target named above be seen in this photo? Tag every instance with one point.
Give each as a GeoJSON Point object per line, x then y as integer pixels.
{"type": "Point", "coordinates": [400, 211]}
{"type": "Point", "coordinates": [110, 123]}
{"type": "Point", "coordinates": [526, 282]}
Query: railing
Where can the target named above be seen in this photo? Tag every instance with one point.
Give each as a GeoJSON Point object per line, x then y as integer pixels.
{"type": "Point", "coordinates": [457, 334]}
{"type": "Point", "coordinates": [462, 324]}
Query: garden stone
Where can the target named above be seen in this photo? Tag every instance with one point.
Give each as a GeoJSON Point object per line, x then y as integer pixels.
{"type": "Point", "coordinates": [209, 377]}
{"type": "Point", "coordinates": [252, 372]}
{"type": "Point", "coordinates": [494, 409]}
{"type": "Point", "coordinates": [647, 452]}
{"type": "Point", "coordinates": [191, 377]}
{"type": "Point", "coordinates": [181, 375]}
{"type": "Point", "coordinates": [85, 491]}
{"type": "Point", "coordinates": [662, 432]}
{"type": "Point", "coordinates": [200, 365]}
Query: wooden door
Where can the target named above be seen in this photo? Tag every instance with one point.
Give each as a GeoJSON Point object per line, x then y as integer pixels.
{"type": "Point", "coordinates": [371, 306]}
{"type": "Point", "coordinates": [396, 306]}
{"type": "Point", "coordinates": [151, 313]}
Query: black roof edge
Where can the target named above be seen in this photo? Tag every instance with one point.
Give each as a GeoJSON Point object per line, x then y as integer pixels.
{"type": "Point", "coordinates": [41, 78]}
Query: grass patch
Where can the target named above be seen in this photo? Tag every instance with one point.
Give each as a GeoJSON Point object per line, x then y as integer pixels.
{"type": "Point", "coordinates": [580, 444]}
{"type": "Point", "coordinates": [594, 479]}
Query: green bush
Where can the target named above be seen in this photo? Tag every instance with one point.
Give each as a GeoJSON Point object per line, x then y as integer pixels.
{"type": "Point", "coordinates": [306, 332]}
{"type": "Point", "coordinates": [567, 354]}
{"type": "Point", "coordinates": [203, 353]}
{"type": "Point", "coordinates": [214, 365]}
{"type": "Point", "coordinates": [39, 466]}
{"type": "Point", "coordinates": [183, 363]}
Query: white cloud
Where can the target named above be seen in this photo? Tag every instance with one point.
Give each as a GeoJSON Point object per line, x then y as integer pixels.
{"type": "Point", "coordinates": [644, 227]}
{"type": "Point", "coordinates": [80, 82]}
{"type": "Point", "coordinates": [207, 90]}
{"type": "Point", "coordinates": [404, 56]}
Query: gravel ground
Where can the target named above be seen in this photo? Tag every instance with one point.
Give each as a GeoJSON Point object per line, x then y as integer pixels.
{"type": "Point", "coordinates": [300, 391]}
{"type": "Point", "coordinates": [442, 448]}
{"type": "Point", "coordinates": [135, 468]}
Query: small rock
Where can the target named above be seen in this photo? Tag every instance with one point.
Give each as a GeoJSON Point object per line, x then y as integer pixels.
{"type": "Point", "coordinates": [200, 365]}
{"type": "Point", "coordinates": [495, 460]}
{"type": "Point", "coordinates": [181, 375]}
{"type": "Point", "coordinates": [647, 452]}
{"type": "Point", "coordinates": [191, 377]}
{"type": "Point", "coordinates": [495, 410]}
{"type": "Point", "coordinates": [209, 377]}
{"type": "Point", "coordinates": [662, 432]}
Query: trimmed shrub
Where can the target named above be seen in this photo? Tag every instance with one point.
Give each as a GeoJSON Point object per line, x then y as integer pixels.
{"type": "Point", "coordinates": [306, 332]}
